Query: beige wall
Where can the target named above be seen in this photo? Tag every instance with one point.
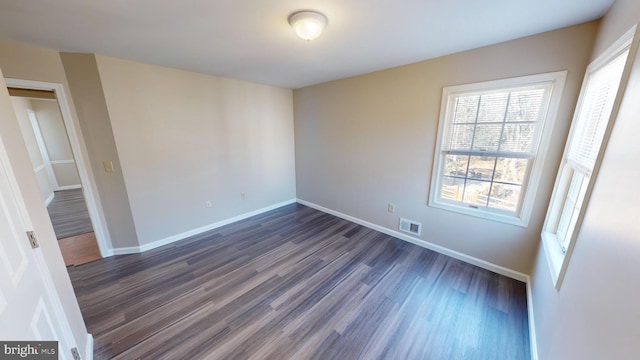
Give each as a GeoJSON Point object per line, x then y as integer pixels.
{"type": "Point", "coordinates": [66, 175]}
{"type": "Point", "coordinates": [369, 140]}
{"type": "Point", "coordinates": [595, 313]}
{"type": "Point", "coordinates": [85, 86]}
{"type": "Point", "coordinates": [21, 106]}
{"type": "Point", "coordinates": [56, 142]}
{"type": "Point", "coordinates": [24, 62]}
{"type": "Point", "coordinates": [53, 131]}
{"type": "Point", "coordinates": [184, 138]}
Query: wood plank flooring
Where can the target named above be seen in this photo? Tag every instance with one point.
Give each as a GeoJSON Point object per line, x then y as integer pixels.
{"type": "Point", "coordinates": [295, 283]}
{"type": "Point", "coordinates": [69, 214]}
{"type": "Point", "coordinates": [79, 249]}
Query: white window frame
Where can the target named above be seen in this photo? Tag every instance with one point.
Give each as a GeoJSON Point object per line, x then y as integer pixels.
{"type": "Point", "coordinates": [555, 82]}
{"type": "Point", "coordinates": [558, 256]}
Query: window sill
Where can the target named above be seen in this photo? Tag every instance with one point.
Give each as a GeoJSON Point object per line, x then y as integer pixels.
{"type": "Point", "coordinates": [503, 218]}
{"type": "Point", "coordinates": [556, 259]}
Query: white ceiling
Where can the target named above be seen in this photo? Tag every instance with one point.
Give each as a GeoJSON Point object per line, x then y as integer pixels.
{"type": "Point", "coordinates": [251, 39]}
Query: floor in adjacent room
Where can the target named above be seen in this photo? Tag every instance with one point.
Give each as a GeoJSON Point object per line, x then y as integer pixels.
{"type": "Point", "coordinates": [69, 214]}
{"type": "Point", "coordinates": [72, 225]}
{"type": "Point", "coordinates": [296, 283]}
{"type": "Point", "coordinates": [79, 249]}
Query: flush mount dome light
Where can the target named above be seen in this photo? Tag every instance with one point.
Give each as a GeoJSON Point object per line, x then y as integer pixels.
{"type": "Point", "coordinates": [308, 24]}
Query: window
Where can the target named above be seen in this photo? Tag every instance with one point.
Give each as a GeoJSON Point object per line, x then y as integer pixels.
{"type": "Point", "coordinates": [591, 124]}
{"type": "Point", "coordinates": [491, 142]}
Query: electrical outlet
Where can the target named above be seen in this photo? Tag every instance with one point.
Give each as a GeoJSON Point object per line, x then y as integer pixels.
{"type": "Point", "coordinates": [391, 207]}
{"type": "Point", "coordinates": [207, 203]}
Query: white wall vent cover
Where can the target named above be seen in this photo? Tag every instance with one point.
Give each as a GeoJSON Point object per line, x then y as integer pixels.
{"type": "Point", "coordinates": [410, 226]}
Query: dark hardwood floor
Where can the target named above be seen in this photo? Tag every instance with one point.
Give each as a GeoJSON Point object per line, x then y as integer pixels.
{"type": "Point", "coordinates": [295, 283]}
{"type": "Point", "coordinates": [68, 213]}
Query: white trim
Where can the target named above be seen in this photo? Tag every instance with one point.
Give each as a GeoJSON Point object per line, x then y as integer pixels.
{"type": "Point", "coordinates": [49, 289]}
{"type": "Point", "coordinates": [69, 187]}
{"type": "Point", "coordinates": [425, 244]}
{"type": "Point", "coordinates": [533, 342]}
{"type": "Point", "coordinates": [554, 83]}
{"type": "Point", "coordinates": [626, 40]}
{"type": "Point", "coordinates": [437, 248]}
{"type": "Point", "coordinates": [127, 250]}
{"type": "Point", "coordinates": [39, 168]}
{"type": "Point", "coordinates": [49, 199]}
{"type": "Point", "coordinates": [196, 231]}
{"type": "Point", "coordinates": [88, 352]}
{"type": "Point", "coordinates": [454, 254]}
{"type": "Point", "coordinates": [42, 312]}
{"type": "Point", "coordinates": [57, 309]}
{"type": "Point", "coordinates": [80, 153]}
{"type": "Point", "coordinates": [58, 162]}
{"type": "Point", "coordinates": [54, 304]}
{"type": "Point", "coordinates": [3, 302]}
{"type": "Point", "coordinates": [558, 261]}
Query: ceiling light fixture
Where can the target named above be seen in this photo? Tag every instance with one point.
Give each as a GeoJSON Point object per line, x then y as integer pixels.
{"type": "Point", "coordinates": [308, 24]}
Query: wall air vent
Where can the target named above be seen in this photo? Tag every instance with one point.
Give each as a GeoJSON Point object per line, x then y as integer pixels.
{"type": "Point", "coordinates": [410, 226]}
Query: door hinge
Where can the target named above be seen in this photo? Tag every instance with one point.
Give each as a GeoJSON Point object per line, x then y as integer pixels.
{"type": "Point", "coordinates": [75, 353]}
{"type": "Point", "coordinates": [33, 240]}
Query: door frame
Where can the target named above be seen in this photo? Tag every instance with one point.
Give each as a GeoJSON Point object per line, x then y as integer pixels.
{"type": "Point", "coordinates": [81, 157]}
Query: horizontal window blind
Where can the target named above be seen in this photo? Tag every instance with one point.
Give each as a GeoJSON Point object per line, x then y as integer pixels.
{"type": "Point", "coordinates": [491, 139]}
{"type": "Point", "coordinates": [592, 122]}
{"type": "Point", "coordinates": [502, 122]}
{"type": "Point", "coordinates": [600, 94]}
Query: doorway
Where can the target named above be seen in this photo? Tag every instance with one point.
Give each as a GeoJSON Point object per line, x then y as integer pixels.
{"type": "Point", "coordinates": [56, 173]}
{"type": "Point", "coordinates": [65, 183]}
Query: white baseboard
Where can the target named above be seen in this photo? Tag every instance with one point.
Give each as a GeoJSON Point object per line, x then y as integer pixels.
{"type": "Point", "coordinates": [425, 244]}
{"type": "Point", "coordinates": [533, 341]}
{"type": "Point", "coordinates": [126, 250]}
{"type": "Point", "coordinates": [60, 188]}
{"type": "Point", "coordinates": [49, 199]}
{"type": "Point", "coordinates": [454, 254]}
{"type": "Point", "coordinates": [108, 252]}
{"type": "Point", "coordinates": [69, 187]}
{"type": "Point", "coordinates": [186, 234]}
{"type": "Point", "coordinates": [89, 349]}
{"type": "Point", "coordinates": [422, 243]}
{"type": "Point", "coordinates": [59, 162]}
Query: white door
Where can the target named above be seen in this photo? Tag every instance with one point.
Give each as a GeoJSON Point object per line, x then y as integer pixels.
{"type": "Point", "coordinates": [29, 306]}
